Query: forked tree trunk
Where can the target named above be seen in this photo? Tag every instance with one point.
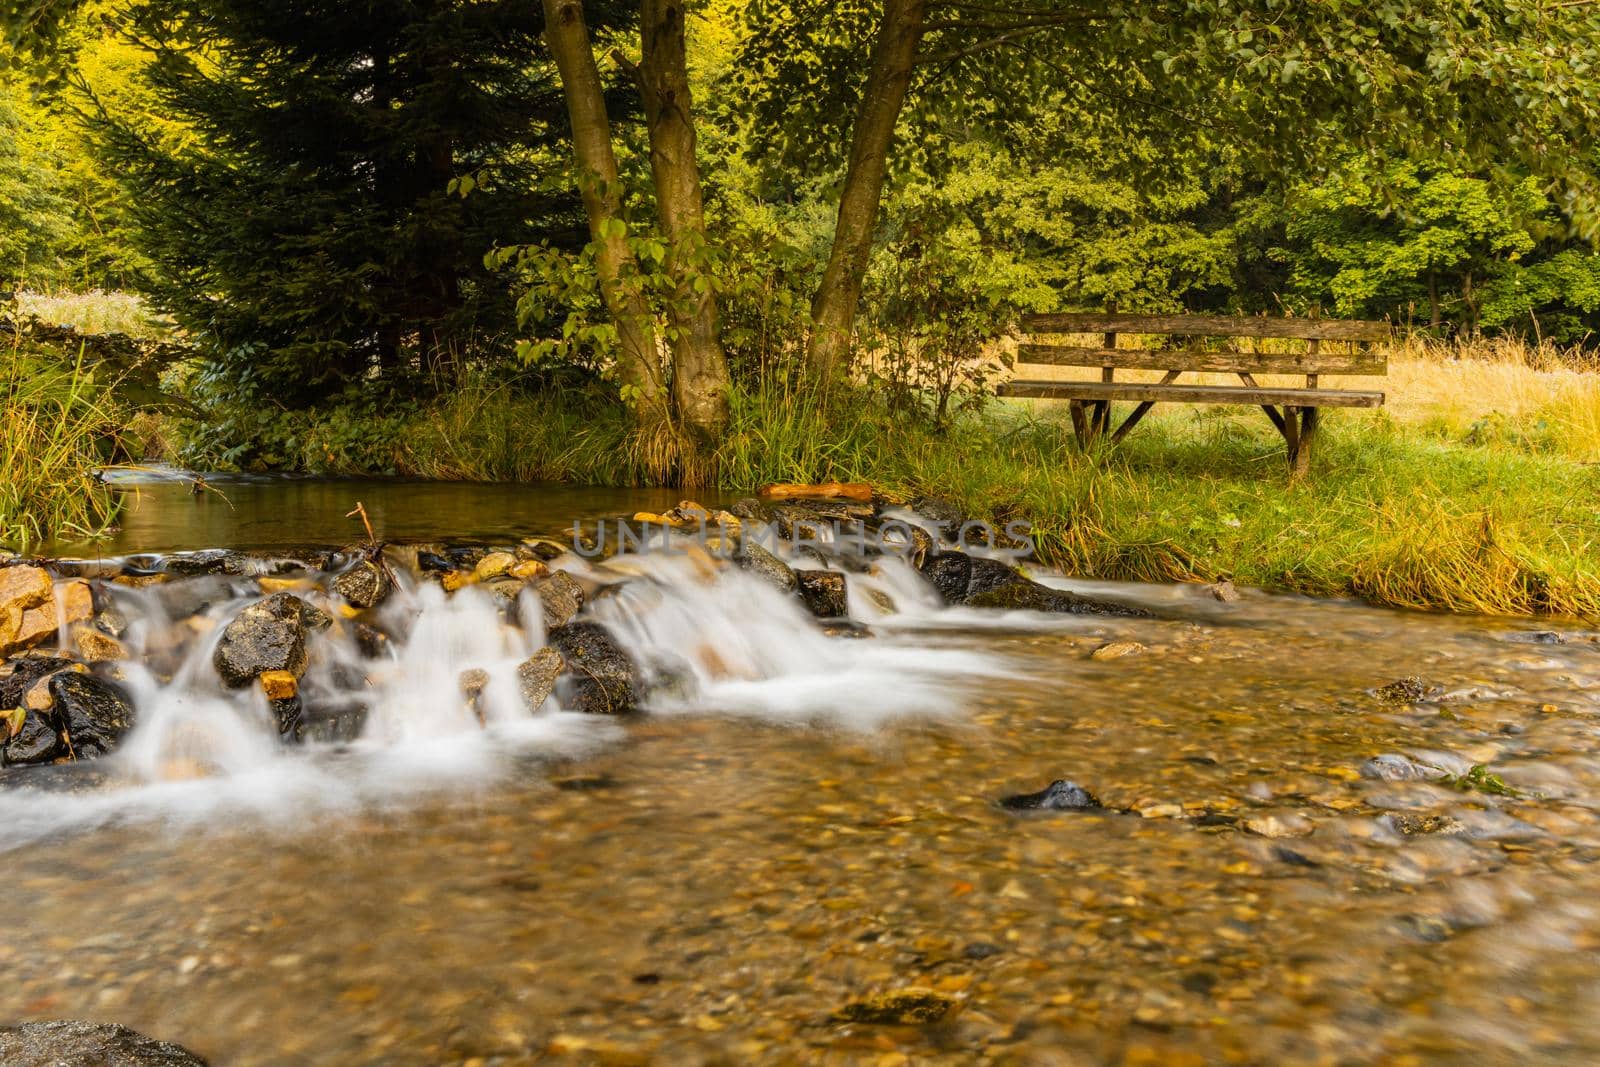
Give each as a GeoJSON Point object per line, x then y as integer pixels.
{"type": "Point", "coordinates": [833, 310]}
{"type": "Point", "coordinates": [639, 365]}
{"type": "Point", "coordinates": [699, 366]}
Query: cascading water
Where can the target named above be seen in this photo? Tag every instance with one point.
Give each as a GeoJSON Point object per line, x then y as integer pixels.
{"type": "Point", "coordinates": [393, 720]}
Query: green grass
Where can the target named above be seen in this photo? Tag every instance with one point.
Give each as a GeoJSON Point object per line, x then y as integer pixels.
{"type": "Point", "coordinates": [1421, 514]}
{"type": "Point", "coordinates": [57, 426]}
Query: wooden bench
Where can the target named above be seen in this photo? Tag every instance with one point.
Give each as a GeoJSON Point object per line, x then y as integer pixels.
{"type": "Point", "coordinates": [1292, 410]}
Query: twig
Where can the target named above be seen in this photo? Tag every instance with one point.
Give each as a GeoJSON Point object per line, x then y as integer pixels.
{"type": "Point", "coordinates": [361, 510]}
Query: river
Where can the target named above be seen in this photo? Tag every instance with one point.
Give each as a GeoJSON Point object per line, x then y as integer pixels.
{"type": "Point", "coordinates": [810, 824]}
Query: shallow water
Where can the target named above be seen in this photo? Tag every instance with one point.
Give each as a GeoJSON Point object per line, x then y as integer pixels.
{"type": "Point", "coordinates": [711, 882]}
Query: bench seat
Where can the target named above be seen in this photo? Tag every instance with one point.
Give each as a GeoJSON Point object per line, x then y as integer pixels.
{"type": "Point", "coordinates": [1192, 394]}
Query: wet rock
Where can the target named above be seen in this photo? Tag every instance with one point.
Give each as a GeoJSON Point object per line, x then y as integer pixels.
{"type": "Point", "coordinates": [939, 512]}
{"type": "Point", "coordinates": [32, 610]}
{"type": "Point", "coordinates": [364, 585]}
{"type": "Point", "coordinates": [950, 573]}
{"type": "Point", "coordinates": [278, 685]}
{"type": "Point", "coordinates": [1117, 650]}
{"type": "Point", "coordinates": [373, 642]}
{"type": "Point", "coordinates": [824, 593]}
{"type": "Point", "coordinates": [269, 635]}
{"type": "Point", "coordinates": [432, 562]}
{"type": "Point", "coordinates": [1060, 795]}
{"type": "Point", "coordinates": [992, 583]}
{"type": "Point", "coordinates": [981, 950]}
{"type": "Point", "coordinates": [852, 631]}
{"type": "Point", "coordinates": [528, 569]}
{"type": "Point", "coordinates": [1404, 691]}
{"type": "Point", "coordinates": [473, 682]}
{"type": "Point", "coordinates": [1223, 591]}
{"type": "Point", "coordinates": [494, 565]}
{"type": "Point", "coordinates": [752, 510]}
{"type": "Point", "coordinates": [330, 723]}
{"type": "Point", "coordinates": [92, 714]}
{"type": "Point", "coordinates": [560, 598]}
{"type": "Point", "coordinates": [903, 1007]}
{"type": "Point", "coordinates": [764, 565]}
{"type": "Point", "coordinates": [96, 646]}
{"type": "Point", "coordinates": [112, 621]}
{"type": "Point", "coordinates": [1289, 824]}
{"type": "Point", "coordinates": [29, 737]}
{"type": "Point", "coordinates": [25, 674]}
{"type": "Point", "coordinates": [1538, 637]}
{"type": "Point", "coordinates": [990, 575]}
{"type": "Point", "coordinates": [466, 557]}
{"type": "Point", "coordinates": [1413, 824]}
{"type": "Point", "coordinates": [602, 679]}
{"type": "Point", "coordinates": [1393, 767]}
{"type": "Point", "coordinates": [210, 561]}
{"type": "Point", "coordinates": [537, 676]}
{"type": "Point", "coordinates": [71, 1043]}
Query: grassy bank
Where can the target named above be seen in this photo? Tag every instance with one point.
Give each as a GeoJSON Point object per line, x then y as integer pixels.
{"type": "Point", "coordinates": [1476, 489]}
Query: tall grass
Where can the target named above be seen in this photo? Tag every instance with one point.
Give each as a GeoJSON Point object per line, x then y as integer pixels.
{"type": "Point", "coordinates": [56, 427]}
{"type": "Point", "coordinates": [1476, 489]}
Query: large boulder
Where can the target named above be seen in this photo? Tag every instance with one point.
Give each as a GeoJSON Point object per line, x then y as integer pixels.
{"type": "Point", "coordinates": [269, 635]}
{"type": "Point", "coordinates": [71, 1043]}
{"type": "Point", "coordinates": [91, 714]}
{"type": "Point", "coordinates": [602, 678]}
{"type": "Point", "coordinates": [824, 593]}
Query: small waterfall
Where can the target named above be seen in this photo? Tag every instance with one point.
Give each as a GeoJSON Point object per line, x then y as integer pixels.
{"type": "Point", "coordinates": [708, 637]}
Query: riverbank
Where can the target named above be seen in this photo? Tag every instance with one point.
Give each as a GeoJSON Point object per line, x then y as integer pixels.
{"type": "Point", "coordinates": [1473, 490]}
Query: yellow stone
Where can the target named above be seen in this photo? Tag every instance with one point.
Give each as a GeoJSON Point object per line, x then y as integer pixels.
{"type": "Point", "coordinates": [453, 580]}
{"type": "Point", "coordinates": [97, 647]}
{"type": "Point", "coordinates": [1116, 650]}
{"type": "Point", "coordinates": [530, 568]}
{"type": "Point", "coordinates": [493, 565]}
{"type": "Point", "coordinates": [283, 585]}
{"type": "Point", "coordinates": [279, 685]}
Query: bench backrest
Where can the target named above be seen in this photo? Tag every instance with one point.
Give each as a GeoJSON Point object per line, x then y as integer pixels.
{"type": "Point", "coordinates": [1357, 337]}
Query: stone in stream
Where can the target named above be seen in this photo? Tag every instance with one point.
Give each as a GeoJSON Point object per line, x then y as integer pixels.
{"type": "Point", "coordinates": [97, 646]}
{"type": "Point", "coordinates": [92, 714]}
{"type": "Point", "coordinates": [824, 593]}
{"type": "Point", "coordinates": [269, 635]}
{"type": "Point", "coordinates": [364, 585]}
{"type": "Point", "coordinates": [1059, 795]}
{"type": "Point", "coordinates": [602, 677]}
{"type": "Point", "coordinates": [73, 1043]}
{"type": "Point", "coordinates": [950, 573]}
{"type": "Point", "coordinates": [537, 676]}
{"type": "Point", "coordinates": [1116, 650]}
{"type": "Point", "coordinates": [208, 561]}
{"type": "Point", "coordinates": [1393, 767]}
{"type": "Point", "coordinates": [28, 740]}
{"type": "Point", "coordinates": [764, 565]}
{"type": "Point", "coordinates": [32, 608]}
{"type": "Point", "coordinates": [903, 1007]}
{"type": "Point", "coordinates": [560, 598]}
{"type": "Point", "coordinates": [1405, 691]}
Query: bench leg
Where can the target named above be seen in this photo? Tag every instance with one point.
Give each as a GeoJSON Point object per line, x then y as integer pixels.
{"type": "Point", "coordinates": [1300, 457]}
{"type": "Point", "coordinates": [1080, 424]}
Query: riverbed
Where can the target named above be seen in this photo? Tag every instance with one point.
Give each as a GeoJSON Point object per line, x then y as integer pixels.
{"type": "Point", "coordinates": [737, 879]}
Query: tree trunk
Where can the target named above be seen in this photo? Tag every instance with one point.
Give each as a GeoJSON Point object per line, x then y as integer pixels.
{"type": "Point", "coordinates": [1433, 299]}
{"type": "Point", "coordinates": [833, 311]}
{"type": "Point", "coordinates": [700, 368]}
{"type": "Point", "coordinates": [567, 35]}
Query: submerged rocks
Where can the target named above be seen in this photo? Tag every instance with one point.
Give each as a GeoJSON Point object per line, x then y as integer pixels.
{"type": "Point", "coordinates": [1059, 795]}
{"type": "Point", "coordinates": [602, 677]}
{"type": "Point", "coordinates": [824, 593]}
{"type": "Point", "coordinates": [269, 635]}
{"type": "Point", "coordinates": [764, 565]}
{"type": "Point", "coordinates": [1393, 767]}
{"type": "Point", "coordinates": [72, 1043]}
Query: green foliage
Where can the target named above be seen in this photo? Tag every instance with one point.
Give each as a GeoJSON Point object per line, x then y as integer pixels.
{"type": "Point", "coordinates": [34, 217]}
{"type": "Point", "coordinates": [309, 225]}
{"type": "Point", "coordinates": [58, 424]}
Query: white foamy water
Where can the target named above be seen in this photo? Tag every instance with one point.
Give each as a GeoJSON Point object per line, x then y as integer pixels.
{"type": "Point", "coordinates": [709, 639]}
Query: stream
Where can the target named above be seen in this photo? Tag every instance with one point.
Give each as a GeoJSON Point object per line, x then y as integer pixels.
{"type": "Point", "coordinates": [796, 852]}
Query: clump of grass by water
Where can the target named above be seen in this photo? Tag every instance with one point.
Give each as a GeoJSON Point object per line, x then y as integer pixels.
{"type": "Point", "coordinates": [56, 428]}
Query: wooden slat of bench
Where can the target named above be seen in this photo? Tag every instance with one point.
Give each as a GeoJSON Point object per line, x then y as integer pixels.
{"type": "Point", "coordinates": [1196, 360]}
{"type": "Point", "coordinates": [1191, 394]}
{"type": "Point", "coordinates": [1207, 326]}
